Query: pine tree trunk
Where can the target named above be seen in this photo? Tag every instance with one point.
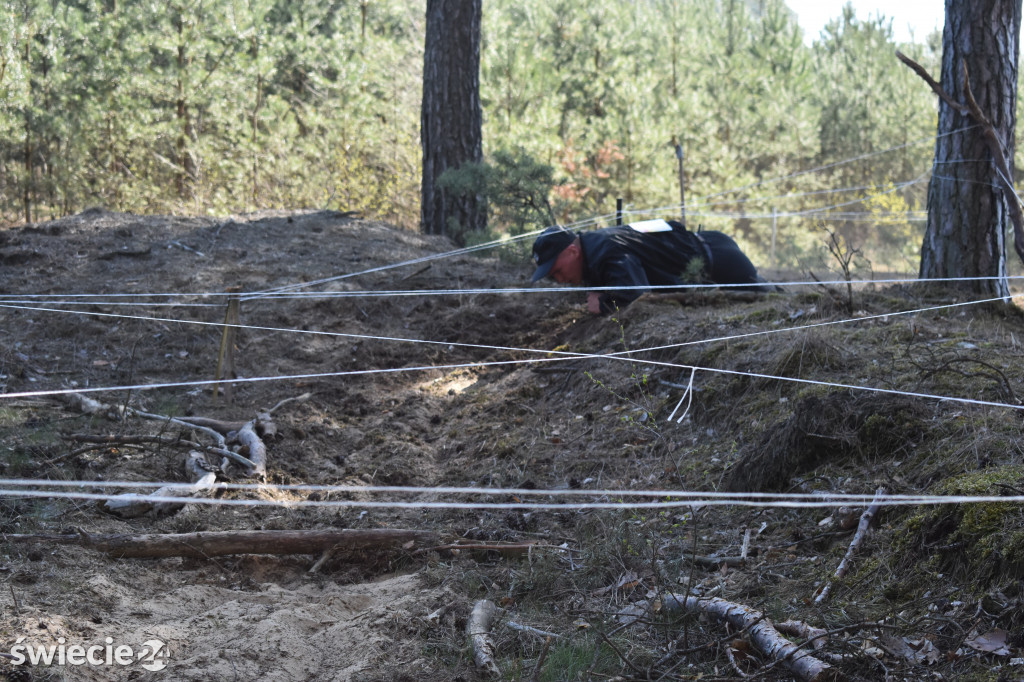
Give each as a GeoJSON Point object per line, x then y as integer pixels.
{"type": "Point", "coordinates": [27, 190]}
{"type": "Point", "coordinates": [967, 209]}
{"type": "Point", "coordinates": [451, 119]}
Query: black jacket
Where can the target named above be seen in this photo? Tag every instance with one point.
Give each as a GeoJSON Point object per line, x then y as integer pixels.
{"type": "Point", "coordinates": [620, 255]}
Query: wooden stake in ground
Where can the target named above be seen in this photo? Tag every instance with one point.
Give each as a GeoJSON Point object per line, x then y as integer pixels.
{"type": "Point", "coordinates": [226, 356]}
{"type": "Point", "coordinates": [858, 538]}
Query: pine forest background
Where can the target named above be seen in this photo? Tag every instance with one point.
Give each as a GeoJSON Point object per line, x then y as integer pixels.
{"type": "Point", "coordinates": [225, 106]}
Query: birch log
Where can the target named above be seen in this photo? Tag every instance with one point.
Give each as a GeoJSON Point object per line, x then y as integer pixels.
{"type": "Point", "coordinates": [762, 634]}
{"type": "Point", "coordinates": [478, 627]}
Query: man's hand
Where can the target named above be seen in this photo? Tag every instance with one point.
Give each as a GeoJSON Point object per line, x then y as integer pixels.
{"type": "Point", "coordinates": [594, 302]}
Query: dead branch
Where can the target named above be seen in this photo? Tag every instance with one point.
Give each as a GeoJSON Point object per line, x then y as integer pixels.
{"type": "Point", "coordinates": [503, 548]}
{"type": "Point", "coordinates": [246, 435]}
{"type": "Point", "coordinates": [858, 538]}
{"type": "Point", "coordinates": [540, 661]}
{"type": "Point", "coordinates": [478, 627]}
{"type": "Point", "coordinates": [622, 657]}
{"type": "Point", "coordinates": [224, 543]}
{"type": "Point", "coordinates": [732, 661]}
{"type": "Point", "coordinates": [263, 423]}
{"type": "Point", "coordinates": [265, 426]}
{"type": "Point", "coordinates": [122, 441]}
{"type": "Point", "coordinates": [253, 449]}
{"type": "Point", "coordinates": [717, 561]}
{"type": "Point", "coordinates": [133, 505]}
{"type": "Point", "coordinates": [763, 635]}
{"type": "Point", "coordinates": [797, 628]}
{"type": "Point", "coordinates": [220, 426]}
{"type": "Point", "coordinates": [995, 147]}
{"type": "Point", "coordinates": [948, 366]}
{"type": "Point", "coordinates": [221, 442]}
{"type": "Point", "coordinates": [519, 627]}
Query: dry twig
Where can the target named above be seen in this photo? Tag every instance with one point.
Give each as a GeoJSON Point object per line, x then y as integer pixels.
{"type": "Point", "coordinates": [858, 538]}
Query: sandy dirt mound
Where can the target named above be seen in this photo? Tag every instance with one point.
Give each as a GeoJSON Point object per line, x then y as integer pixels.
{"type": "Point", "coordinates": [269, 631]}
{"type": "Point", "coordinates": [434, 389]}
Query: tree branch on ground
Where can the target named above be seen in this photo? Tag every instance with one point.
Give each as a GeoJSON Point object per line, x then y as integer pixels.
{"type": "Point", "coordinates": [763, 635]}
{"type": "Point", "coordinates": [858, 538]}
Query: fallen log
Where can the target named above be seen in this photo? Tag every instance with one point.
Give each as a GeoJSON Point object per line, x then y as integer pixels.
{"type": "Point", "coordinates": [223, 543]}
{"type": "Point", "coordinates": [762, 633]}
{"type": "Point", "coordinates": [478, 628]}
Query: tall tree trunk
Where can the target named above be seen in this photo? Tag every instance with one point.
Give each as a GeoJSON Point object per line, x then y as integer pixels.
{"type": "Point", "coordinates": [27, 193]}
{"type": "Point", "coordinates": [451, 118]}
{"type": "Point", "coordinates": [186, 133]}
{"type": "Point", "coordinates": [967, 208]}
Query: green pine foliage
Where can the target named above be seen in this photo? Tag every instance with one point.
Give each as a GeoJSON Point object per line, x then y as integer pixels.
{"type": "Point", "coordinates": [224, 106]}
{"type": "Point", "coordinates": [209, 107]}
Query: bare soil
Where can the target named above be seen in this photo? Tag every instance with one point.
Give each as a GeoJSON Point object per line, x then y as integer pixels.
{"type": "Point", "coordinates": [930, 595]}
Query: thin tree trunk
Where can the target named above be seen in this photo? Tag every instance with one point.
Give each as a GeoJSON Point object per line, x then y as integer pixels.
{"type": "Point", "coordinates": [27, 195]}
{"type": "Point", "coordinates": [187, 172]}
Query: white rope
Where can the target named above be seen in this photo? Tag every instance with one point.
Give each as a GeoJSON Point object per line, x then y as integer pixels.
{"type": "Point", "coordinates": [391, 266]}
{"type": "Point", "coordinates": [476, 365]}
{"type": "Point", "coordinates": [368, 337]}
{"type": "Point", "coordinates": [588, 222]}
{"type": "Point", "coordinates": [668, 499]}
{"type": "Point", "coordinates": [836, 164]}
{"type": "Point", "coordinates": [687, 393]}
{"type": "Point", "coordinates": [26, 301]}
{"type": "Point", "coordinates": [562, 355]}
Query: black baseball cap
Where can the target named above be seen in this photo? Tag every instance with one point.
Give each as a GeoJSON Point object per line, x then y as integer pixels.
{"type": "Point", "coordinates": [547, 248]}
